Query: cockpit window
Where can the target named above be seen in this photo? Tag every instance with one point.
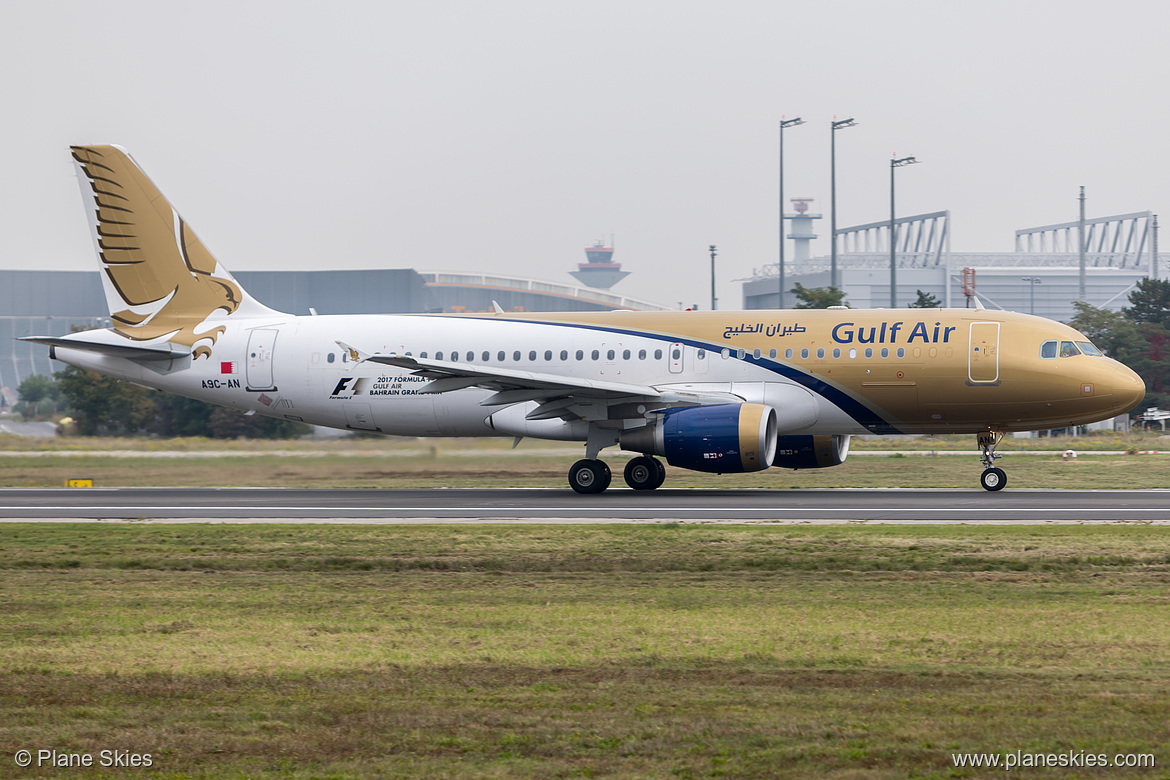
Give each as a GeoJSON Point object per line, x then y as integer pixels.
{"type": "Point", "coordinates": [1068, 349]}
{"type": "Point", "coordinates": [1048, 350]}
{"type": "Point", "coordinates": [1088, 348]}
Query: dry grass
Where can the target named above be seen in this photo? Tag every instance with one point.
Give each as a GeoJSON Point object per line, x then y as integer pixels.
{"type": "Point", "coordinates": [396, 462]}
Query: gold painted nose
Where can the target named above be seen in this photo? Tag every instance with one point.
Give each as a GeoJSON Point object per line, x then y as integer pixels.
{"type": "Point", "coordinates": [1128, 387]}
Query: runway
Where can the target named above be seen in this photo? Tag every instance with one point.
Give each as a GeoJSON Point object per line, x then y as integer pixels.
{"type": "Point", "coordinates": [261, 505]}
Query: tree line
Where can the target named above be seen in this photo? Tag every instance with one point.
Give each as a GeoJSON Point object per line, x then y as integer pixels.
{"type": "Point", "coordinates": [102, 406]}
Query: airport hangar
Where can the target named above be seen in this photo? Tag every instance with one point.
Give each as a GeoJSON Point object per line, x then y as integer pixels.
{"type": "Point", "coordinates": [1042, 276]}
{"type": "Point", "coordinates": [53, 303]}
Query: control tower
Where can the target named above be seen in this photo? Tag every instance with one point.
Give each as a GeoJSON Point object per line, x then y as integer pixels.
{"type": "Point", "coordinates": [599, 271]}
{"type": "Point", "coordinates": [802, 229]}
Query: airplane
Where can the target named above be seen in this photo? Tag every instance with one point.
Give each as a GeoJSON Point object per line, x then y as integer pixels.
{"type": "Point", "coordinates": [711, 391]}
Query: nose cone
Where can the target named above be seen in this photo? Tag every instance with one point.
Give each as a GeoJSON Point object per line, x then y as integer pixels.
{"type": "Point", "coordinates": [1128, 387]}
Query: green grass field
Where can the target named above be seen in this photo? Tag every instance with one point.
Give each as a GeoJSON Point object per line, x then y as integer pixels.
{"type": "Point", "coordinates": [603, 651]}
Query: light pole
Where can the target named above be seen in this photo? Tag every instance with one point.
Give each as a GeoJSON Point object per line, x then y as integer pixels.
{"type": "Point", "coordinates": [714, 300]}
{"type": "Point", "coordinates": [783, 124]}
{"type": "Point", "coordinates": [895, 162]}
{"type": "Point", "coordinates": [837, 124]}
{"type": "Point", "coordinates": [1032, 282]}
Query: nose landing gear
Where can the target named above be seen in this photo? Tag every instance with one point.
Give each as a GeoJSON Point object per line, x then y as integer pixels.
{"type": "Point", "coordinates": [992, 478]}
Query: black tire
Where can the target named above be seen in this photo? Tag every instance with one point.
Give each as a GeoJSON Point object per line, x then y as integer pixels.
{"type": "Point", "coordinates": [589, 476]}
{"type": "Point", "coordinates": [661, 473]}
{"type": "Point", "coordinates": [644, 473]}
{"type": "Point", "coordinates": [993, 479]}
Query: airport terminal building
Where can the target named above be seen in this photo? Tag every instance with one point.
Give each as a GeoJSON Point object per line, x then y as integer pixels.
{"type": "Point", "coordinates": [1043, 276]}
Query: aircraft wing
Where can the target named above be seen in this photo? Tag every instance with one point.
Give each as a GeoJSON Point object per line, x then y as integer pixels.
{"type": "Point", "coordinates": [556, 392]}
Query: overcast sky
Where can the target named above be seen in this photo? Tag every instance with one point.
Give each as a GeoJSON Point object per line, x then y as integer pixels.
{"type": "Point", "coordinates": [506, 135]}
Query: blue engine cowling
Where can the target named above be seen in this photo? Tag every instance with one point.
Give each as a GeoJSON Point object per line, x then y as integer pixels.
{"type": "Point", "coordinates": [811, 452]}
{"type": "Point", "coordinates": [722, 439]}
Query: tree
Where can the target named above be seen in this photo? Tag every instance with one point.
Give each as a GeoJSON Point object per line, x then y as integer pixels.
{"type": "Point", "coordinates": [817, 297]}
{"type": "Point", "coordinates": [34, 390]}
{"type": "Point", "coordinates": [1150, 302]}
{"type": "Point", "coordinates": [103, 406]}
{"type": "Point", "coordinates": [925, 301]}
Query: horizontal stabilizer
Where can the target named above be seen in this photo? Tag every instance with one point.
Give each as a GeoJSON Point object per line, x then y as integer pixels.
{"type": "Point", "coordinates": [164, 351]}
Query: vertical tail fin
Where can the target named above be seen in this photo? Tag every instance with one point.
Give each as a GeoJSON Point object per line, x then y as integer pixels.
{"type": "Point", "coordinates": [160, 280]}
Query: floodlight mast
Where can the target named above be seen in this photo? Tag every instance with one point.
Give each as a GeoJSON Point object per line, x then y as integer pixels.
{"type": "Point", "coordinates": [784, 123]}
{"type": "Point", "coordinates": [836, 124]}
{"type": "Point", "coordinates": [895, 162]}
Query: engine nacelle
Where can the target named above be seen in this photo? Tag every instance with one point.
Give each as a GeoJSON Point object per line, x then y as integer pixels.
{"type": "Point", "coordinates": [811, 452]}
{"type": "Point", "coordinates": [723, 439]}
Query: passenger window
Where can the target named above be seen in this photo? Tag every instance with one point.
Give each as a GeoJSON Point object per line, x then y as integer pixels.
{"type": "Point", "coordinates": [641, 354]}
{"type": "Point", "coordinates": [1048, 350]}
{"type": "Point", "coordinates": [788, 354]}
{"type": "Point", "coordinates": [869, 352]}
{"type": "Point", "coordinates": [675, 354]}
{"type": "Point", "coordinates": [422, 355]}
{"type": "Point", "coordinates": [516, 356]}
{"type": "Point", "coordinates": [901, 352]}
{"type": "Point", "coordinates": [580, 354]}
{"type": "Point", "coordinates": [438, 356]}
{"type": "Point", "coordinates": [658, 354]}
{"type": "Point", "coordinates": [1068, 349]}
{"type": "Point", "coordinates": [548, 355]}
{"type": "Point", "coordinates": [821, 352]}
{"type": "Point", "coordinates": [836, 352]}
{"type": "Point", "coordinates": [772, 353]}
{"type": "Point", "coordinates": [726, 353]}
{"type": "Point", "coordinates": [852, 353]}
{"type": "Point", "coordinates": [625, 354]}
{"type": "Point", "coordinates": [470, 356]}
{"type": "Point", "coordinates": [609, 355]}
{"type": "Point", "coordinates": [454, 357]}
{"type": "Point", "coordinates": [501, 356]}
{"type": "Point", "coordinates": [564, 354]}
{"type": "Point", "coordinates": [532, 355]}
{"type": "Point", "coordinates": [740, 354]}
{"type": "Point", "coordinates": [804, 353]}
{"type": "Point", "coordinates": [595, 354]}
{"type": "Point", "coordinates": [885, 352]}
{"type": "Point", "coordinates": [1089, 348]}
{"type": "Point", "coordinates": [756, 354]}
{"type": "Point", "coordinates": [486, 356]}
{"type": "Point", "coordinates": [330, 357]}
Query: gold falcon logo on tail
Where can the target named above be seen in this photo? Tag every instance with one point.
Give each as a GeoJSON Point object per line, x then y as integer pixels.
{"type": "Point", "coordinates": [165, 280]}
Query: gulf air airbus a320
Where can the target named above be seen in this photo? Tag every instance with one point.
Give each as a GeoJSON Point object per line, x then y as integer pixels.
{"type": "Point", "coordinates": [710, 391]}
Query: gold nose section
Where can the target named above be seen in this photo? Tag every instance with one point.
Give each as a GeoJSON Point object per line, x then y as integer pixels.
{"type": "Point", "coordinates": [1128, 387]}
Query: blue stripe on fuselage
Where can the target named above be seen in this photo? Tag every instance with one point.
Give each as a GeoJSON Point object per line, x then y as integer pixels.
{"type": "Point", "coordinates": [839, 398]}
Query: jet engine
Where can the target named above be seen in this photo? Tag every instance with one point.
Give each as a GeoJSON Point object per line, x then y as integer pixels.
{"type": "Point", "coordinates": [811, 452]}
{"type": "Point", "coordinates": [722, 439]}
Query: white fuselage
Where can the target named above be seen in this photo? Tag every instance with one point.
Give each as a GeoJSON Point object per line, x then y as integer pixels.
{"type": "Point", "coordinates": [293, 367]}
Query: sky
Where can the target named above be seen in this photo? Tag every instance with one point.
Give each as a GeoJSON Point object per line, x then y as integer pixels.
{"type": "Point", "coordinates": [505, 136]}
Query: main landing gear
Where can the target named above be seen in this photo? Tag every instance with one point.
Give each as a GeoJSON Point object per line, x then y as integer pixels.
{"type": "Point", "coordinates": [593, 476]}
{"type": "Point", "coordinates": [645, 473]}
{"type": "Point", "coordinates": [992, 478]}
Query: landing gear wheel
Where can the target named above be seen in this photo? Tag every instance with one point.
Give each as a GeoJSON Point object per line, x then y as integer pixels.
{"type": "Point", "coordinates": [590, 476]}
{"type": "Point", "coordinates": [644, 473]}
{"type": "Point", "coordinates": [993, 479]}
